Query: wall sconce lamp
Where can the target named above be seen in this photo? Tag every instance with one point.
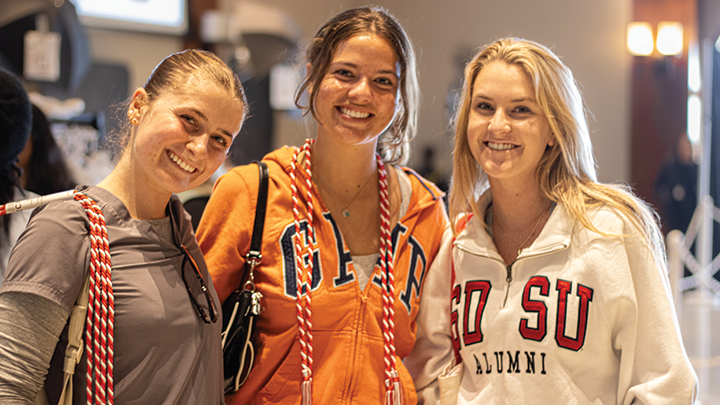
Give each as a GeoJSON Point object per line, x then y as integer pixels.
{"type": "Point", "coordinates": [640, 38]}
{"type": "Point", "coordinates": [669, 38]}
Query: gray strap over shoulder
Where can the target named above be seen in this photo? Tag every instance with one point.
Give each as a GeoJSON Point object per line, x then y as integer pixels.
{"type": "Point", "coordinates": [74, 350]}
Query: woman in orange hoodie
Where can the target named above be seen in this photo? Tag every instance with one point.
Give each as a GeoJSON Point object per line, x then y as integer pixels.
{"type": "Point", "coordinates": [363, 234]}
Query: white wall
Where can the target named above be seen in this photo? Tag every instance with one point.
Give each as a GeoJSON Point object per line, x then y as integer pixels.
{"type": "Point", "coordinates": [139, 52]}
{"type": "Point", "coordinates": [589, 36]}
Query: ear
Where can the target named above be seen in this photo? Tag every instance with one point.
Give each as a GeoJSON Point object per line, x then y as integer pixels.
{"type": "Point", "coordinates": [138, 105]}
{"type": "Point", "coordinates": [552, 140]}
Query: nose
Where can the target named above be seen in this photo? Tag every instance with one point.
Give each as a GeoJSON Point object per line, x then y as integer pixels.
{"type": "Point", "coordinates": [361, 91]}
{"type": "Point", "coordinates": [499, 122]}
{"type": "Point", "coordinates": [198, 146]}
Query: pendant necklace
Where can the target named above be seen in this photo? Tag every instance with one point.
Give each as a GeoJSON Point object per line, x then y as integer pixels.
{"type": "Point", "coordinates": [346, 210]}
{"type": "Point", "coordinates": [520, 246]}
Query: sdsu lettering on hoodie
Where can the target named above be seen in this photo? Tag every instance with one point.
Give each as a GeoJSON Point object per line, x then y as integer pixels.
{"type": "Point", "coordinates": [578, 318]}
{"type": "Point", "coordinates": [348, 365]}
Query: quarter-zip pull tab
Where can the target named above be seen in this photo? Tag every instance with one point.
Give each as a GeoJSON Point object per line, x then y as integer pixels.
{"type": "Point", "coordinates": [508, 279]}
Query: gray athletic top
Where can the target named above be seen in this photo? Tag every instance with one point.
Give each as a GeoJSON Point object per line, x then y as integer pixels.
{"type": "Point", "coordinates": [164, 352]}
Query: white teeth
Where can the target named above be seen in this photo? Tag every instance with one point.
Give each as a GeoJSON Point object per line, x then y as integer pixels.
{"type": "Point", "coordinates": [175, 158]}
{"type": "Point", "coordinates": [500, 146]}
{"type": "Point", "coordinates": [353, 113]}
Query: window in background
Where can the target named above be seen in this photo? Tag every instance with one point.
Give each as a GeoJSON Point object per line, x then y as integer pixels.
{"type": "Point", "coordinates": [160, 16]}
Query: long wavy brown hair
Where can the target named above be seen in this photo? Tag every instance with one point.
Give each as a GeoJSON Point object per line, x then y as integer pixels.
{"type": "Point", "coordinates": [394, 145]}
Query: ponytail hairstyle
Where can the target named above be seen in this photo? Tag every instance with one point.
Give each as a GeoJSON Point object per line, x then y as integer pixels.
{"type": "Point", "coordinates": [172, 73]}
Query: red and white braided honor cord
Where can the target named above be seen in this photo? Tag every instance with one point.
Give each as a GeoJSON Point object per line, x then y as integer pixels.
{"type": "Point", "coordinates": [100, 321]}
{"type": "Point", "coordinates": [304, 312]}
{"type": "Point", "coordinates": [393, 392]}
{"type": "Point", "coordinates": [99, 328]}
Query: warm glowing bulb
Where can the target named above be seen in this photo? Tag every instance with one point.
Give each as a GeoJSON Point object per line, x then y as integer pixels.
{"type": "Point", "coordinates": [639, 38]}
{"type": "Point", "coordinates": [670, 38]}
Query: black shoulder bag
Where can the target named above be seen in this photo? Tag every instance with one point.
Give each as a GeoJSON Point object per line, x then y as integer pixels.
{"type": "Point", "coordinates": [243, 305]}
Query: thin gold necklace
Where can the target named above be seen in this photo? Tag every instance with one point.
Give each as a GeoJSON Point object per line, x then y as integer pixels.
{"type": "Point", "coordinates": [345, 210]}
{"type": "Point", "coordinates": [520, 246]}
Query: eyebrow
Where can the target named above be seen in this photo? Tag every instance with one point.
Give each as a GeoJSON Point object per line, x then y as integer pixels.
{"type": "Point", "coordinates": [516, 100]}
{"type": "Point", "coordinates": [205, 118]}
{"type": "Point", "coordinates": [354, 66]}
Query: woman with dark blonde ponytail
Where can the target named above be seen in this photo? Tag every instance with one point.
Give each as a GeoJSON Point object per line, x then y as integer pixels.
{"type": "Point", "coordinates": [159, 342]}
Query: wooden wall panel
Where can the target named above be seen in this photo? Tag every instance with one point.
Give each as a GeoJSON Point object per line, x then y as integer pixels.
{"type": "Point", "coordinates": [659, 94]}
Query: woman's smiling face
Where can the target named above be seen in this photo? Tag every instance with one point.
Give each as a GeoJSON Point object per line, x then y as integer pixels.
{"type": "Point", "coordinates": [507, 131]}
{"type": "Point", "coordinates": [357, 97]}
{"type": "Point", "coordinates": [184, 136]}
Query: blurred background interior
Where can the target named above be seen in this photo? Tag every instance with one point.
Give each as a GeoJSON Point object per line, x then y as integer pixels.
{"type": "Point", "coordinates": [649, 71]}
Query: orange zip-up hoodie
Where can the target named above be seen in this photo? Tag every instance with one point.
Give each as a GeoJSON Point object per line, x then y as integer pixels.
{"type": "Point", "coordinates": [348, 365]}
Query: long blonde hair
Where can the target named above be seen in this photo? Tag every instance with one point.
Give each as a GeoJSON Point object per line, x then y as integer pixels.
{"type": "Point", "coordinates": [566, 172]}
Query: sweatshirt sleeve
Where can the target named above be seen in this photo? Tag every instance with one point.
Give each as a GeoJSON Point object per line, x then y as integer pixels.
{"type": "Point", "coordinates": [433, 344]}
{"type": "Point", "coordinates": [225, 229]}
{"type": "Point", "coordinates": [654, 368]}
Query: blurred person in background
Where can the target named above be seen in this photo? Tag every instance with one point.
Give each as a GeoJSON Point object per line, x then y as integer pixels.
{"type": "Point", "coordinates": [15, 124]}
{"type": "Point", "coordinates": [676, 186]}
{"type": "Point", "coordinates": [42, 162]}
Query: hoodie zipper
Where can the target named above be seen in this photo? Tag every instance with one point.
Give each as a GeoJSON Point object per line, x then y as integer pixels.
{"type": "Point", "coordinates": [357, 344]}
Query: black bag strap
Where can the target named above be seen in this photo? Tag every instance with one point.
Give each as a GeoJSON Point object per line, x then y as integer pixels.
{"type": "Point", "coordinates": [254, 256]}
